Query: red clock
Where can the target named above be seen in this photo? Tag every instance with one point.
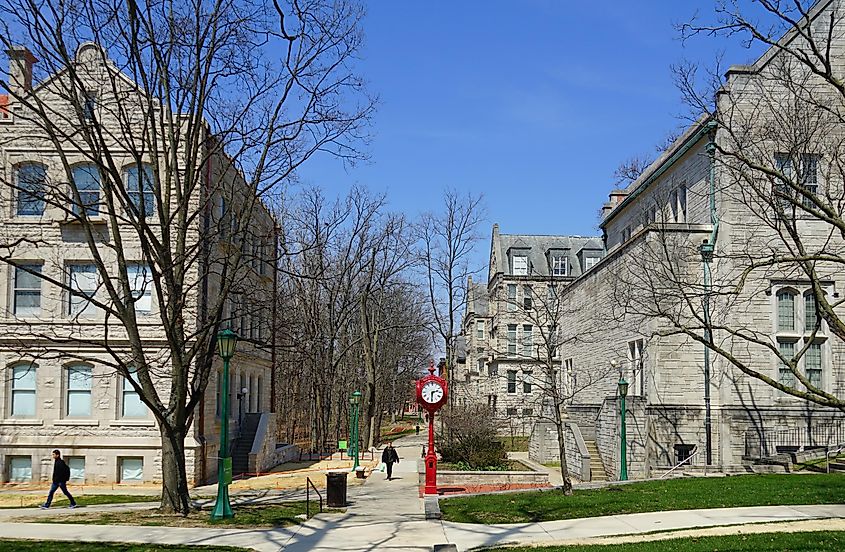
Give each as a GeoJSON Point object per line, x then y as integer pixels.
{"type": "Point", "coordinates": [432, 391]}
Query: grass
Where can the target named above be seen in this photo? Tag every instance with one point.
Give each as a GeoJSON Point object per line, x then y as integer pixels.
{"type": "Point", "coordinates": [517, 443]}
{"type": "Point", "coordinates": [507, 465]}
{"type": "Point", "coordinates": [810, 541]}
{"type": "Point", "coordinates": [64, 546]}
{"type": "Point", "coordinates": [271, 515]}
{"type": "Point", "coordinates": [60, 501]}
{"type": "Point", "coordinates": [647, 496]}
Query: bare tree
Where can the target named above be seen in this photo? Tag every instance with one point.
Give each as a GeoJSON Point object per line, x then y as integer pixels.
{"type": "Point", "coordinates": [180, 112]}
{"type": "Point", "coordinates": [447, 243]}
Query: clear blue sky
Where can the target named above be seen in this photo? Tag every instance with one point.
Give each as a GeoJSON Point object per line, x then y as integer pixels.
{"type": "Point", "coordinates": [534, 103]}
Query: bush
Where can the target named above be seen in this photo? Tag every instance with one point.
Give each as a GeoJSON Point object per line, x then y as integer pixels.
{"type": "Point", "coordinates": [471, 440]}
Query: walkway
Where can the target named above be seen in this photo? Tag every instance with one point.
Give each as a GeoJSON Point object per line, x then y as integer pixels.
{"type": "Point", "coordinates": [389, 515]}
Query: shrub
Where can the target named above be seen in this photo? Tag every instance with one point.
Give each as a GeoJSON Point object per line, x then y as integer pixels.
{"type": "Point", "coordinates": [471, 439]}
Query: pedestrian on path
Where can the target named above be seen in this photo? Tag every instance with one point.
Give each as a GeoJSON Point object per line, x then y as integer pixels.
{"type": "Point", "coordinates": [61, 475]}
{"type": "Point", "coordinates": [389, 456]}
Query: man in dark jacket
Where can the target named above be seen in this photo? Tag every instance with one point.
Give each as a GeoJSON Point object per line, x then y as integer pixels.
{"type": "Point", "coordinates": [61, 475]}
{"type": "Point", "coordinates": [389, 456]}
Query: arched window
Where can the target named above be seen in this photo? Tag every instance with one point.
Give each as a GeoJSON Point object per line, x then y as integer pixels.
{"type": "Point", "coordinates": [786, 310]}
{"type": "Point", "coordinates": [811, 318]}
{"type": "Point", "coordinates": [139, 186]}
{"type": "Point", "coordinates": [31, 181]}
{"type": "Point", "coordinates": [86, 178]}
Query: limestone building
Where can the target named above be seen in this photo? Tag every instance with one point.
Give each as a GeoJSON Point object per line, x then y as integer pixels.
{"type": "Point", "coordinates": [57, 346]}
{"type": "Point", "coordinates": [721, 231]}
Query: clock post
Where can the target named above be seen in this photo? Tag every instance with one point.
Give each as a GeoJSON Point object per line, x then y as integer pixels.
{"type": "Point", "coordinates": [431, 394]}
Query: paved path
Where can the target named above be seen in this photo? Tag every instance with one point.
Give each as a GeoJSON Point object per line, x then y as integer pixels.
{"type": "Point", "coordinates": [389, 515]}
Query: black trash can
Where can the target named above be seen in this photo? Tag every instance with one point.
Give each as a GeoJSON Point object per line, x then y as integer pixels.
{"type": "Point", "coordinates": [336, 489]}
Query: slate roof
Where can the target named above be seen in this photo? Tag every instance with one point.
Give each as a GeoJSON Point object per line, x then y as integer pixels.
{"type": "Point", "coordinates": [538, 247]}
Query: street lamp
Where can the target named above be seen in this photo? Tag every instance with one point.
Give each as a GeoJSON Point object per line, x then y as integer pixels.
{"type": "Point", "coordinates": [623, 392]}
{"type": "Point", "coordinates": [227, 340]}
{"type": "Point", "coordinates": [354, 402]}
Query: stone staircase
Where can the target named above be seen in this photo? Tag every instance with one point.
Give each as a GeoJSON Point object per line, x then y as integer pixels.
{"type": "Point", "coordinates": [597, 471]}
{"type": "Point", "coordinates": [243, 444]}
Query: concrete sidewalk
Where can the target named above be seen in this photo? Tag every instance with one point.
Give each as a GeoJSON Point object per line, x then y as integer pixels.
{"type": "Point", "coordinates": [389, 515]}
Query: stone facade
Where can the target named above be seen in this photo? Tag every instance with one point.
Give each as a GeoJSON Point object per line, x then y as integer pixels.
{"type": "Point", "coordinates": [615, 317]}
{"type": "Point", "coordinates": [96, 418]}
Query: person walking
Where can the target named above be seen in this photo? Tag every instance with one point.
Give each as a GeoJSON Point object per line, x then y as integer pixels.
{"type": "Point", "coordinates": [389, 456]}
{"type": "Point", "coordinates": [61, 475]}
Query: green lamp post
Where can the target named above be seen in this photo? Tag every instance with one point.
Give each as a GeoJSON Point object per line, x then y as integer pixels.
{"type": "Point", "coordinates": [623, 392]}
{"type": "Point", "coordinates": [354, 402]}
{"type": "Point", "coordinates": [226, 342]}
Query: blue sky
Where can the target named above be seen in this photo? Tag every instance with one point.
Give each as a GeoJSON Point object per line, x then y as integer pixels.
{"type": "Point", "coordinates": [534, 103]}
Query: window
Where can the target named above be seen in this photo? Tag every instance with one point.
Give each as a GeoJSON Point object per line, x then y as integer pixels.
{"type": "Point", "coordinates": [479, 329]}
{"type": "Point", "coordinates": [492, 369]}
{"type": "Point", "coordinates": [551, 297]}
{"type": "Point", "coordinates": [527, 412]}
{"type": "Point", "coordinates": [23, 390]}
{"type": "Point", "coordinates": [131, 405]}
{"type": "Point", "coordinates": [139, 186]}
{"type": "Point", "coordinates": [27, 294]}
{"type": "Point", "coordinates": [673, 204]}
{"type": "Point", "coordinates": [568, 377]}
{"type": "Point", "coordinates": [811, 319]}
{"type": "Point", "coordinates": [807, 178]}
{"type": "Point", "coordinates": [219, 394]}
{"type": "Point", "coordinates": [526, 382]}
{"type": "Point", "coordinates": [813, 364]}
{"type": "Point", "coordinates": [527, 298]}
{"type": "Point", "coordinates": [520, 265]}
{"type": "Point", "coordinates": [553, 349]}
{"type": "Point", "coordinates": [86, 179]}
{"type": "Point", "coordinates": [480, 365]}
{"type": "Point", "coordinates": [32, 181]}
{"type": "Point", "coordinates": [77, 468]}
{"type": "Point", "coordinates": [682, 203]}
{"type": "Point", "coordinates": [683, 452]}
{"type": "Point", "coordinates": [511, 339]}
{"type": "Point", "coordinates": [511, 381]}
{"type": "Point", "coordinates": [786, 310]}
{"type": "Point", "coordinates": [559, 265]}
{"type": "Point", "coordinates": [511, 411]}
{"type": "Point", "coordinates": [528, 340]}
{"type": "Point", "coordinates": [140, 284]}
{"type": "Point", "coordinates": [131, 470]}
{"type": "Point", "coordinates": [78, 391]}
{"type": "Point", "coordinates": [590, 262]}
{"type": "Point", "coordinates": [258, 395]}
{"type": "Point", "coordinates": [83, 278]}
{"type": "Point", "coordinates": [89, 105]}
{"type": "Point", "coordinates": [252, 406]}
{"type": "Point", "coordinates": [635, 367]}
{"type": "Point", "coordinates": [785, 375]}
{"type": "Point", "coordinates": [20, 469]}
{"type": "Point", "coordinates": [511, 297]}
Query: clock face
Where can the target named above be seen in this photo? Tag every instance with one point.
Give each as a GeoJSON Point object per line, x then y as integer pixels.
{"type": "Point", "coordinates": [432, 392]}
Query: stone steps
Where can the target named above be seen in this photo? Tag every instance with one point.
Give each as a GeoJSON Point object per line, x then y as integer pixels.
{"type": "Point", "coordinates": [597, 471]}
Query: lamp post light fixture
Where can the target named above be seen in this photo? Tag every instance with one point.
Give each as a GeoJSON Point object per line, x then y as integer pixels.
{"type": "Point", "coordinates": [355, 403]}
{"type": "Point", "coordinates": [227, 340]}
{"type": "Point", "coordinates": [623, 469]}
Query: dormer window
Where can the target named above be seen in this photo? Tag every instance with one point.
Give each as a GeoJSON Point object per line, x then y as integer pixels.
{"type": "Point", "coordinates": [520, 265]}
{"type": "Point", "coordinates": [559, 265]}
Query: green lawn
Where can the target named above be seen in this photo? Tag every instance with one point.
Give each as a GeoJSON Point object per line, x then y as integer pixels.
{"type": "Point", "coordinates": [647, 496]}
{"type": "Point", "coordinates": [820, 541]}
{"type": "Point", "coordinates": [60, 501]}
{"type": "Point", "coordinates": [61, 546]}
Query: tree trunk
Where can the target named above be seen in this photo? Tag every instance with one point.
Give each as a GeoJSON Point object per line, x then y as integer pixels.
{"type": "Point", "coordinates": [174, 481]}
{"type": "Point", "coordinates": [561, 440]}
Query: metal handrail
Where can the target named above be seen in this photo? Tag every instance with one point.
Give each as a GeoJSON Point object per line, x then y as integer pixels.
{"type": "Point", "coordinates": [695, 450]}
{"type": "Point", "coordinates": [308, 486]}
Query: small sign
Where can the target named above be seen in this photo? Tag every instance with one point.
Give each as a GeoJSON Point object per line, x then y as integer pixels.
{"type": "Point", "coordinates": [226, 466]}
{"type": "Point", "coordinates": [341, 445]}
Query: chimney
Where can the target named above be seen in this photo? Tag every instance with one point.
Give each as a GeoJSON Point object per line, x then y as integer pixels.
{"type": "Point", "coordinates": [617, 196]}
{"type": "Point", "coordinates": [21, 61]}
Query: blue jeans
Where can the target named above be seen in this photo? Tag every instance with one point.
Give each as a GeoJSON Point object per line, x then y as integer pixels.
{"type": "Point", "coordinates": [53, 488]}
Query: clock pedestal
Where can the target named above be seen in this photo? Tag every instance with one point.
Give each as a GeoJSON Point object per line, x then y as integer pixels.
{"type": "Point", "coordinates": [431, 460]}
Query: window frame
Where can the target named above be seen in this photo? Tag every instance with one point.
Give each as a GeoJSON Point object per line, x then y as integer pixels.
{"type": "Point", "coordinates": [511, 382]}
{"type": "Point", "coordinates": [126, 389]}
{"type": "Point", "coordinates": [139, 195]}
{"type": "Point", "coordinates": [89, 209]}
{"type": "Point", "coordinates": [21, 269]}
{"type": "Point", "coordinates": [511, 339]}
{"type": "Point", "coordinates": [16, 391]}
{"type": "Point", "coordinates": [74, 303]}
{"type": "Point", "coordinates": [560, 265]}
{"type": "Point", "coordinates": [71, 392]}
{"type": "Point", "coordinates": [36, 196]}
{"type": "Point", "coordinates": [521, 270]}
